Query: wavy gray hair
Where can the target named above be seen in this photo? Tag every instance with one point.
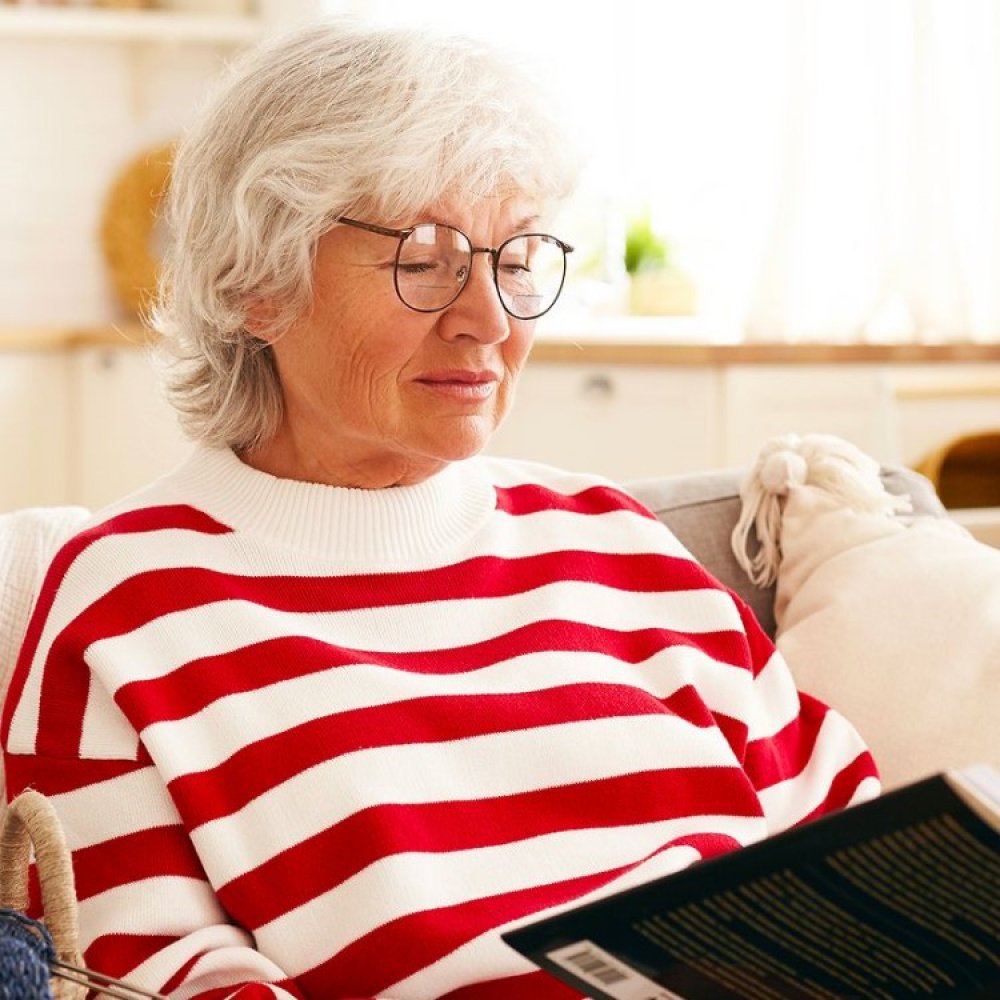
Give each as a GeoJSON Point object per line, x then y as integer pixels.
{"type": "Point", "coordinates": [330, 119]}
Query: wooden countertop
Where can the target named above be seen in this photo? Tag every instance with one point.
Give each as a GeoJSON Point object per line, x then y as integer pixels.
{"type": "Point", "coordinates": [588, 348]}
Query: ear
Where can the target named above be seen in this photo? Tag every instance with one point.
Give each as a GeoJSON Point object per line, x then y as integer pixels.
{"type": "Point", "coordinates": [259, 319]}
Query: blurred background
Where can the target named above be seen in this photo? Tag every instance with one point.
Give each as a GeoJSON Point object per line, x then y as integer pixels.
{"type": "Point", "coordinates": [789, 220]}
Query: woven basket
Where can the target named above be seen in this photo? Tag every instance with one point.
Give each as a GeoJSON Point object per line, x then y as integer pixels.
{"type": "Point", "coordinates": [31, 824]}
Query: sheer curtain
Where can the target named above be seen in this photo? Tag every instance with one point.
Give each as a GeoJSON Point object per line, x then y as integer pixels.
{"type": "Point", "coordinates": [886, 220]}
{"type": "Point", "coordinates": [823, 169]}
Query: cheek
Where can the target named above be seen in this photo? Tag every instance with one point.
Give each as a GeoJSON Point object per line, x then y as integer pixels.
{"type": "Point", "coordinates": [518, 346]}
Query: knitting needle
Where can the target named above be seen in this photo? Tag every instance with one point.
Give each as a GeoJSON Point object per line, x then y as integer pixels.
{"type": "Point", "coordinates": [100, 983]}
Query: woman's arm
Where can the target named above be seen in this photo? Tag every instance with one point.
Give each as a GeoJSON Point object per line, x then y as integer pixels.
{"type": "Point", "coordinates": [147, 912]}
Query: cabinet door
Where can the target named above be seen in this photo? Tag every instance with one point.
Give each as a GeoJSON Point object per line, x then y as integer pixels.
{"type": "Point", "coordinates": [126, 433]}
{"type": "Point", "coordinates": [937, 403]}
{"type": "Point", "coordinates": [850, 401]}
{"type": "Point", "coordinates": [35, 394]}
{"type": "Point", "coordinates": [621, 421]}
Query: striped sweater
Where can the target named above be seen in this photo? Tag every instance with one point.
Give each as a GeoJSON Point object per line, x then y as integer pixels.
{"type": "Point", "coordinates": [328, 743]}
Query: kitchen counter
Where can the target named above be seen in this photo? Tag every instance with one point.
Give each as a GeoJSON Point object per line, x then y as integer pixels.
{"type": "Point", "coordinates": [633, 346]}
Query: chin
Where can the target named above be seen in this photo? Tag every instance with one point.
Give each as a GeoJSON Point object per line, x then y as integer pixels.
{"type": "Point", "coordinates": [467, 439]}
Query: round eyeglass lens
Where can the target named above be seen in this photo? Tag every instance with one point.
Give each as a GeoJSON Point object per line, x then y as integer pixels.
{"type": "Point", "coordinates": [530, 274]}
{"type": "Point", "coordinates": [432, 266]}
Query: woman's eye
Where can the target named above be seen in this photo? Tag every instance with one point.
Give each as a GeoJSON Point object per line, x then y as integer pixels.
{"type": "Point", "coordinates": [418, 266]}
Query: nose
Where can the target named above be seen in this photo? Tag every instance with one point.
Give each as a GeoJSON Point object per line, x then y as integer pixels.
{"type": "Point", "coordinates": [477, 312]}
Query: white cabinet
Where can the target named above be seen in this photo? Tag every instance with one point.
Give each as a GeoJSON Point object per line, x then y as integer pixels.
{"type": "Point", "coordinates": [125, 432]}
{"type": "Point", "coordinates": [852, 401]}
{"type": "Point", "coordinates": [622, 421]}
{"type": "Point", "coordinates": [36, 394]}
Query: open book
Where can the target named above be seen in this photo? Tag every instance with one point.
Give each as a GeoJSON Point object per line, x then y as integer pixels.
{"type": "Point", "coordinates": [895, 898]}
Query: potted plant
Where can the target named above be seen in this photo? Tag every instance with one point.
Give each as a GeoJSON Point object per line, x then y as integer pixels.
{"type": "Point", "coordinates": [656, 286]}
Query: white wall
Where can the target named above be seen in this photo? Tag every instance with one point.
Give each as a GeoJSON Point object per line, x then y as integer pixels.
{"type": "Point", "coordinates": [73, 113]}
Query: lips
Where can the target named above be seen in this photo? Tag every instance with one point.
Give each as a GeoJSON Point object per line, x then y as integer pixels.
{"type": "Point", "coordinates": [459, 376]}
{"type": "Point", "coordinates": [464, 386]}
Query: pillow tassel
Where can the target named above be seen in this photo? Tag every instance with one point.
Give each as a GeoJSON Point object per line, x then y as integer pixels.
{"type": "Point", "coordinates": [789, 461]}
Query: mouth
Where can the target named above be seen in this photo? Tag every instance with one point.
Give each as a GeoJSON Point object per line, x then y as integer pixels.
{"type": "Point", "coordinates": [461, 383]}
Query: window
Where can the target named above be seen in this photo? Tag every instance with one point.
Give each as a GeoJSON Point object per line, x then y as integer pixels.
{"type": "Point", "coordinates": [820, 169]}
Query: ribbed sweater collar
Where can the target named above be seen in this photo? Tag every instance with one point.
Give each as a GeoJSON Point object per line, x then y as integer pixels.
{"type": "Point", "coordinates": [355, 526]}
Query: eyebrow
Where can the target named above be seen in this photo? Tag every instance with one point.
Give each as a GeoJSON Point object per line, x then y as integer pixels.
{"type": "Point", "coordinates": [518, 227]}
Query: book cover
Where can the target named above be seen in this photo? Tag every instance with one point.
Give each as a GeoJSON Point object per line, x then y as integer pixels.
{"type": "Point", "coordinates": [892, 899]}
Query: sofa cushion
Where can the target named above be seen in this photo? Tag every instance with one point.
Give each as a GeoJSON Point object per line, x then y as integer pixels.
{"type": "Point", "coordinates": [892, 619]}
{"type": "Point", "coordinates": [703, 508]}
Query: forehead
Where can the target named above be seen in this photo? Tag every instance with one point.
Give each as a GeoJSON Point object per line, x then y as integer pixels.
{"type": "Point", "coordinates": [482, 218]}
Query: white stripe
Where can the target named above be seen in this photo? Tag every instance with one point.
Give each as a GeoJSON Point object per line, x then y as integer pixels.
{"type": "Point", "coordinates": [616, 532]}
{"type": "Point", "coordinates": [775, 700]}
{"type": "Point", "coordinates": [106, 733]}
{"type": "Point", "coordinates": [430, 881]}
{"type": "Point", "coordinates": [169, 905]}
{"type": "Point", "coordinates": [219, 628]}
{"type": "Point", "coordinates": [787, 802]}
{"type": "Point", "coordinates": [487, 957]}
{"type": "Point", "coordinates": [205, 739]}
{"type": "Point", "coordinates": [139, 802]}
{"type": "Point", "coordinates": [103, 565]}
{"type": "Point", "coordinates": [109, 561]}
{"type": "Point", "coordinates": [225, 940]}
{"type": "Point", "coordinates": [479, 767]}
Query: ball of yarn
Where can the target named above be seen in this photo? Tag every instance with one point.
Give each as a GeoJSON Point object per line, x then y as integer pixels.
{"type": "Point", "coordinates": [781, 470]}
{"type": "Point", "coordinates": [26, 952]}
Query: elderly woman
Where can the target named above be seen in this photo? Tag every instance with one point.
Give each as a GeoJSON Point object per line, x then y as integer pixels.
{"type": "Point", "coordinates": [339, 700]}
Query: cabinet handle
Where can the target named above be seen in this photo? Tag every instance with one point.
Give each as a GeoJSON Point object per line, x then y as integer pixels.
{"type": "Point", "coordinates": [598, 387]}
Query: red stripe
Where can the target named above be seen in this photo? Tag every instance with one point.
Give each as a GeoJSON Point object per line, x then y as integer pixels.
{"type": "Point", "coordinates": [178, 517]}
{"type": "Point", "coordinates": [845, 785]}
{"type": "Point", "coordinates": [146, 596]}
{"type": "Point", "coordinates": [190, 688]}
{"type": "Point", "coordinates": [118, 954]}
{"type": "Point", "coordinates": [251, 991]}
{"type": "Point", "coordinates": [787, 753]}
{"type": "Point", "coordinates": [55, 776]}
{"type": "Point", "coordinates": [531, 498]}
{"type": "Point", "coordinates": [146, 854]}
{"type": "Point", "coordinates": [531, 986]}
{"type": "Point", "coordinates": [332, 856]}
{"type": "Point", "coordinates": [400, 948]}
{"type": "Point", "coordinates": [257, 767]}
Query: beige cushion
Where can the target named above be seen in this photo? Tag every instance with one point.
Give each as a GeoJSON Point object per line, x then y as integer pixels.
{"type": "Point", "coordinates": [894, 621]}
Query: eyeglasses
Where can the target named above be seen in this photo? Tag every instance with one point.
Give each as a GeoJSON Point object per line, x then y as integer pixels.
{"type": "Point", "coordinates": [434, 261]}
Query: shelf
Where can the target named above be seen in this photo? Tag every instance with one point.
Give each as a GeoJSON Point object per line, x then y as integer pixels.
{"type": "Point", "coordinates": [101, 24]}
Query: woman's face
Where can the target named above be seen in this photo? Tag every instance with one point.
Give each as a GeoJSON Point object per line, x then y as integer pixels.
{"type": "Point", "coordinates": [379, 395]}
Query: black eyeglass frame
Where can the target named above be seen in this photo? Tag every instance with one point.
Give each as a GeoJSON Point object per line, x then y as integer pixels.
{"type": "Point", "coordinates": [403, 234]}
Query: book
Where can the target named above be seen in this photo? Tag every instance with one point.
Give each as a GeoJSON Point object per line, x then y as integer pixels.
{"type": "Point", "coordinates": [892, 899]}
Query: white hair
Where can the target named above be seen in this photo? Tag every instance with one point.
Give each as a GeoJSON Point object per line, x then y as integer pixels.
{"type": "Point", "coordinates": [331, 119]}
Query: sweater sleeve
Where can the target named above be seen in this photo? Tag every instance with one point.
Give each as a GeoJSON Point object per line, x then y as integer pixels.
{"type": "Point", "coordinates": [804, 758]}
{"type": "Point", "coordinates": [147, 912]}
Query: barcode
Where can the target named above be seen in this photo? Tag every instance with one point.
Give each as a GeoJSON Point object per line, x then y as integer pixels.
{"type": "Point", "coordinates": [593, 965]}
{"type": "Point", "coordinates": [599, 968]}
